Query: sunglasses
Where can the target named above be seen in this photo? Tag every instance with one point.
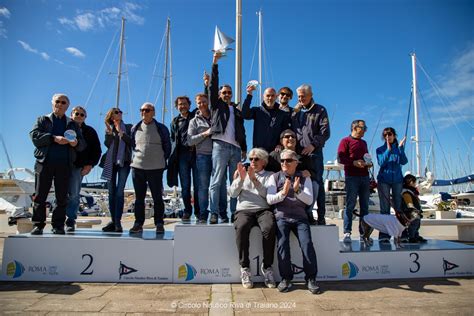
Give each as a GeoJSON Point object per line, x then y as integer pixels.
{"type": "Point", "coordinates": [226, 92]}
{"type": "Point", "coordinates": [146, 110]}
{"type": "Point", "coordinates": [254, 159]}
{"type": "Point", "coordinates": [289, 136]}
{"type": "Point", "coordinates": [362, 127]}
{"type": "Point", "coordinates": [118, 112]}
{"type": "Point", "coordinates": [289, 160]}
{"type": "Point", "coordinates": [60, 101]}
{"type": "Point", "coordinates": [388, 134]}
{"type": "Point", "coordinates": [79, 114]}
{"type": "Point", "coordinates": [285, 94]}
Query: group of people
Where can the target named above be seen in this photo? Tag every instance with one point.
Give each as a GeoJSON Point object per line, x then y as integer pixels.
{"type": "Point", "coordinates": [275, 191]}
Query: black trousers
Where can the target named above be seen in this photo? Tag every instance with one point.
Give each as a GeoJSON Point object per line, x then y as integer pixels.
{"type": "Point", "coordinates": [45, 174]}
{"type": "Point", "coordinates": [154, 179]}
{"type": "Point", "coordinates": [244, 221]}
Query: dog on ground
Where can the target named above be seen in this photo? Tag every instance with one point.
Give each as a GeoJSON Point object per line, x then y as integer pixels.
{"type": "Point", "coordinates": [389, 224]}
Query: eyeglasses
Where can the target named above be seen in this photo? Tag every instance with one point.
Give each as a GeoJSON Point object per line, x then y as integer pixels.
{"type": "Point", "coordinates": [118, 112]}
{"type": "Point", "coordinates": [283, 94]}
{"type": "Point", "coordinates": [289, 160]}
{"type": "Point", "coordinates": [289, 136]}
{"type": "Point", "coordinates": [79, 114]}
{"type": "Point", "coordinates": [388, 134]}
{"type": "Point", "coordinates": [146, 110]}
{"type": "Point", "coordinates": [60, 101]}
{"type": "Point", "coordinates": [364, 128]}
{"type": "Point", "coordinates": [254, 158]}
{"type": "Point", "coordinates": [226, 92]}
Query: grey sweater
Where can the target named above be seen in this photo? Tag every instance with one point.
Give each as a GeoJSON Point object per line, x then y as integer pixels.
{"type": "Point", "coordinates": [251, 196]}
{"type": "Point", "coordinates": [197, 126]}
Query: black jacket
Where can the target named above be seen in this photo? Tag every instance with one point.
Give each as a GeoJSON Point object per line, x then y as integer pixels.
{"type": "Point", "coordinates": [220, 112]}
{"type": "Point", "coordinates": [126, 137]}
{"type": "Point", "coordinates": [42, 138]}
{"type": "Point", "coordinates": [91, 154]}
{"type": "Point", "coordinates": [268, 124]}
{"type": "Point", "coordinates": [311, 126]}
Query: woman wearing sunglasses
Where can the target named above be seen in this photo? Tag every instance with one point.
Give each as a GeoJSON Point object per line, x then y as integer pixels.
{"type": "Point", "coordinates": [116, 165]}
{"type": "Point", "coordinates": [391, 157]}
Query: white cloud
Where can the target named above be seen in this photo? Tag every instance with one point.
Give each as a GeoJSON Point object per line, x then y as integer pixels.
{"type": "Point", "coordinates": [75, 52]}
{"type": "Point", "coordinates": [3, 31]}
{"type": "Point", "coordinates": [4, 12]}
{"type": "Point", "coordinates": [90, 20]}
{"type": "Point", "coordinates": [30, 49]}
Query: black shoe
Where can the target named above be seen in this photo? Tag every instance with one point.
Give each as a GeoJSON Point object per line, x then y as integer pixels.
{"type": "Point", "coordinates": [202, 221]}
{"type": "Point", "coordinates": [313, 287]}
{"type": "Point", "coordinates": [284, 285]}
{"type": "Point", "coordinates": [321, 222]}
{"type": "Point", "coordinates": [225, 220]}
{"type": "Point", "coordinates": [70, 228]}
{"type": "Point", "coordinates": [186, 217]}
{"type": "Point", "coordinates": [58, 231]}
{"type": "Point", "coordinates": [232, 218]}
{"type": "Point", "coordinates": [37, 231]}
{"type": "Point", "coordinates": [384, 241]}
{"type": "Point", "coordinates": [214, 219]}
{"type": "Point", "coordinates": [118, 228]}
{"type": "Point", "coordinates": [136, 229]}
{"type": "Point", "coordinates": [414, 241]}
{"type": "Point", "coordinates": [421, 240]}
{"type": "Point", "coordinates": [160, 229]}
{"type": "Point", "coordinates": [110, 227]}
{"type": "Point", "coordinates": [312, 221]}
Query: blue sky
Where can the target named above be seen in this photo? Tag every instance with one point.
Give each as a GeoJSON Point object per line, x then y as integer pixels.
{"type": "Point", "coordinates": [355, 54]}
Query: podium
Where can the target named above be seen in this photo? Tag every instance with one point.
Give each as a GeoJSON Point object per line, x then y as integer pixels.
{"type": "Point", "coordinates": [196, 253]}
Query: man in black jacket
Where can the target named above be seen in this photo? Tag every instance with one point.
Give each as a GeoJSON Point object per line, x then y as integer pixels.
{"type": "Point", "coordinates": [229, 145]}
{"type": "Point", "coordinates": [54, 155]}
{"type": "Point", "coordinates": [269, 120]}
{"type": "Point", "coordinates": [85, 161]}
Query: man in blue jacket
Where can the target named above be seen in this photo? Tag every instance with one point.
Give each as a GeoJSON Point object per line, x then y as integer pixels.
{"type": "Point", "coordinates": [54, 155]}
{"type": "Point", "coordinates": [151, 148]}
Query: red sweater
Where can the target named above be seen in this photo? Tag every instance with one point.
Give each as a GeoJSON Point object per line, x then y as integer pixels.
{"type": "Point", "coordinates": [349, 150]}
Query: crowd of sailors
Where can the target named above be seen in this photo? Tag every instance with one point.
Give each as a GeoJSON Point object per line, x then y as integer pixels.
{"type": "Point", "coordinates": [205, 148]}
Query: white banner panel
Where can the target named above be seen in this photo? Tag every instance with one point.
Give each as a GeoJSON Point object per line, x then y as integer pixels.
{"type": "Point", "coordinates": [107, 259]}
{"type": "Point", "coordinates": [208, 254]}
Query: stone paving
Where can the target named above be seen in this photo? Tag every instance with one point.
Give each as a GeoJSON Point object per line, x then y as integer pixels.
{"type": "Point", "coordinates": [401, 297]}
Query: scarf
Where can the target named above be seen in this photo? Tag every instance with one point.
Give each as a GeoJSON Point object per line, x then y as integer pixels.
{"type": "Point", "coordinates": [109, 163]}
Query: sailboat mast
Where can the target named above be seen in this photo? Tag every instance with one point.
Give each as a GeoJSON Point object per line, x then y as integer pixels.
{"type": "Point", "coordinates": [259, 13]}
{"type": "Point", "coordinates": [166, 68]}
{"type": "Point", "coordinates": [415, 110]}
{"type": "Point", "coordinates": [238, 48]}
{"type": "Point", "coordinates": [119, 73]}
{"type": "Point", "coordinates": [171, 78]}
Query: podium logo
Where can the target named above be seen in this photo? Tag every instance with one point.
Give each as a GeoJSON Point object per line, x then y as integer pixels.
{"type": "Point", "coordinates": [447, 266]}
{"type": "Point", "coordinates": [15, 269]}
{"type": "Point", "coordinates": [186, 272]}
{"type": "Point", "coordinates": [124, 270]}
{"type": "Point", "coordinates": [350, 270]}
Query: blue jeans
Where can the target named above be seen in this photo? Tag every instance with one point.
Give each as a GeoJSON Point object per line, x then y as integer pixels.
{"type": "Point", "coordinates": [187, 165]}
{"type": "Point", "coordinates": [356, 186]}
{"type": "Point", "coordinates": [384, 198]}
{"type": "Point", "coordinates": [154, 179]}
{"type": "Point", "coordinates": [317, 160]}
{"type": "Point", "coordinates": [116, 186]}
{"type": "Point", "coordinates": [204, 169]}
{"type": "Point", "coordinates": [224, 155]}
{"type": "Point", "coordinates": [75, 182]}
{"type": "Point", "coordinates": [302, 231]}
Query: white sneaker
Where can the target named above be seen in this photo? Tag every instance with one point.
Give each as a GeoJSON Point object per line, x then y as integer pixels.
{"type": "Point", "coordinates": [268, 275]}
{"type": "Point", "coordinates": [347, 238]}
{"type": "Point", "coordinates": [245, 276]}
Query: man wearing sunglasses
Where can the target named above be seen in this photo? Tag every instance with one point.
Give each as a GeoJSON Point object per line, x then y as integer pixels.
{"type": "Point", "coordinates": [290, 193]}
{"type": "Point", "coordinates": [269, 120]}
{"type": "Point", "coordinates": [310, 122]}
{"type": "Point", "coordinates": [350, 153]}
{"type": "Point", "coordinates": [285, 94]}
{"type": "Point", "coordinates": [229, 144]}
{"type": "Point", "coordinates": [55, 155]}
{"type": "Point", "coordinates": [151, 148]}
{"type": "Point", "coordinates": [253, 210]}
{"type": "Point", "coordinates": [85, 161]}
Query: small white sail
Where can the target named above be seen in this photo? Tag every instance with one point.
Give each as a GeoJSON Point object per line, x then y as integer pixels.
{"type": "Point", "coordinates": [221, 41]}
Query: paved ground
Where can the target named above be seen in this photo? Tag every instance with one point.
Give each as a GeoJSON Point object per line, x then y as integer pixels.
{"type": "Point", "coordinates": [401, 297]}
